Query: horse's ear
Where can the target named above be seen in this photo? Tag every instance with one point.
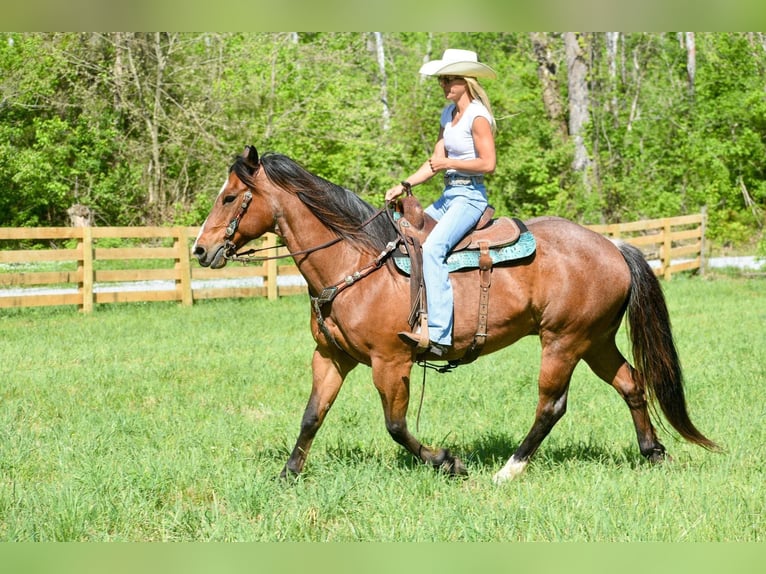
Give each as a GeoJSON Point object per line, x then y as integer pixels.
{"type": "Point", "coordinates": [251, 156]}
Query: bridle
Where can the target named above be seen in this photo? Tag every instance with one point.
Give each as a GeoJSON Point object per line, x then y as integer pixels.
{"type": "Point", "coordinates": [229, 246]}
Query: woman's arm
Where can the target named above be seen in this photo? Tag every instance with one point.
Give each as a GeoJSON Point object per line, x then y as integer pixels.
{"type": "Point", "coordinates": [423, 173]}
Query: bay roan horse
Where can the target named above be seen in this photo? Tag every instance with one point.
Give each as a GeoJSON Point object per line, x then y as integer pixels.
{"type": "Point", "coordinates": [572, 293]}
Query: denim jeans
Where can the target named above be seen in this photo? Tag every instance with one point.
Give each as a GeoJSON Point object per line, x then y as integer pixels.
{"type": "Point", "coordinates": [457, 211]}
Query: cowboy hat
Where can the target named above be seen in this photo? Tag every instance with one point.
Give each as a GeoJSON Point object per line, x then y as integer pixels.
{"type": "Point", "coordinates": [458, 63]}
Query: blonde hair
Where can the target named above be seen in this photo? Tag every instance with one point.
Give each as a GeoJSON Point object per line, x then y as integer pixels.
{"type": "Point", "coordinates": [477, 93]}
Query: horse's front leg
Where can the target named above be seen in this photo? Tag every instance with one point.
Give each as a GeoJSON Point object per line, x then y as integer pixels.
{"type": "Point", "coordinates": [329, 372]}
{"type": "Point", "coordinates": [393, 384]}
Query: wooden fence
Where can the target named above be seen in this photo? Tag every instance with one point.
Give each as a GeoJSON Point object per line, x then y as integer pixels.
{"type": "Point", "coordinates": [88, 269]}
{"type": "Point", "coordinates": [85, 266]}
{"type": "Point", "coordinates": [673, 244]}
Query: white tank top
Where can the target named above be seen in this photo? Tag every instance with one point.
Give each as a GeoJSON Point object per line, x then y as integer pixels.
{"type": "Point", "coordinates": [458, 141]}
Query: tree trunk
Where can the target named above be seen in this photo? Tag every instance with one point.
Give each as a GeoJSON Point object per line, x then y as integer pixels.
{"type": "Point", "coordinates": [428, 52]}
{"type": "Point", "coordinates": [579, 114]}
{"type": "Point", "coordinates": [80, 215]}
{"type": "Point", "coordinates": [118, 69]}
{"type": "Point", "coordinates": [612, 41]}
{"type": "Point", "coordinates": [153, 125]}
{"type": "Point", "coordinates": [381, 55]}
{"type": "Point", "coordinates": [691, 60]}
{"type": "Point", "coordinates": [546, 72]}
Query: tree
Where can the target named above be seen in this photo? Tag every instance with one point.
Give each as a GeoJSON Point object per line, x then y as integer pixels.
{"type": "Point", "coordinates": [381, 57]}
{"type": "Point", "coordinates": [140, 127]}
{"type": "Point", "coordinates": [547, 73]}
{"type": "Point", "coordinates": [691, 59]}
{"type": "Point", "coordinates": [579, 106]}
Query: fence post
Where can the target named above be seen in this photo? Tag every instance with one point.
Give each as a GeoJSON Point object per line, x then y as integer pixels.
{"type": "Point", "coordinates": [85, 265]}
{"type": "Point", "coordinates": [183, 266]}
{"type": "Point", "coordinates": [703, 229]}
{"type": "Point", "coordinates": [271, 270]}
{"type": "Point", "coordinates": [667, 245]}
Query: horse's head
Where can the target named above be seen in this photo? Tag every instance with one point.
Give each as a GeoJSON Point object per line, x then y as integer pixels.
{"type": "Point", "coordinates": [238, 214]}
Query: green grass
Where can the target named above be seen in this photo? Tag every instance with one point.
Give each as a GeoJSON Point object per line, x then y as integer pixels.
{"type": "Point", "coordinates": [159, 422]}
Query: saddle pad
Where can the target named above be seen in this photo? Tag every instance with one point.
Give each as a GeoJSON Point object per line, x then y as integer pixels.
{"type": "Point", "coordinates": [469, 258]}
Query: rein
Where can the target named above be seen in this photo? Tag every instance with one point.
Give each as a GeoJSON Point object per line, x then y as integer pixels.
{"type": "Point", "coordinates": [247, 256]}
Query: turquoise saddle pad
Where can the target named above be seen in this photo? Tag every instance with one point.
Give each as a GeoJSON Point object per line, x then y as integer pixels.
{"type": "Point", "coordinates": [469, 259]}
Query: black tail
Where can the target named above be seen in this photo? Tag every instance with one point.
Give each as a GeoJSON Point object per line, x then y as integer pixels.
{"type": "Point", "coordinates": [654, 350]}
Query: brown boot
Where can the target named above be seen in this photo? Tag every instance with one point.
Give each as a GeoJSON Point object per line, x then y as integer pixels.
{"type": "Point", "coordinates": [413, 340]}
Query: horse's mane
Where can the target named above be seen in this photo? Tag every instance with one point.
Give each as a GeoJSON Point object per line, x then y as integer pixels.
{"type": "Point", "coordinates": [338, 208]}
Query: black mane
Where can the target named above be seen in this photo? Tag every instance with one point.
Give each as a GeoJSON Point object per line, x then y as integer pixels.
{"type": "Point", "coordinates": [341, 210]}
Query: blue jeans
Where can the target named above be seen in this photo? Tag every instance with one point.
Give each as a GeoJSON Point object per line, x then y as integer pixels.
{"type": "Point", "coordinates": [457, 211]}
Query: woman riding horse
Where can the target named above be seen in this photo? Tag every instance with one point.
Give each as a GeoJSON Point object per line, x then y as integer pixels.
{"type": "Point", "coordinates": [571, 294]}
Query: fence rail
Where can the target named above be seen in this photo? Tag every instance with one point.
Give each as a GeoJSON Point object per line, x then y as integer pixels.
{"type": "Point", "coordinates": [86, 268]}
{"type": "Point", "coordinates": [159, 268]}
{"type": "Point", "coordinates": [675, 243]}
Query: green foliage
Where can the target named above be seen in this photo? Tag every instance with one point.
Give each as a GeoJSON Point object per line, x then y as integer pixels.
{"type": "Point", "coordinates": [142, 126]}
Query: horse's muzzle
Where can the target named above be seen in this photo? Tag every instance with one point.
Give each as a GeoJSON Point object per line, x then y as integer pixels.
{"type": "Point", "coordinates": [214, 260]}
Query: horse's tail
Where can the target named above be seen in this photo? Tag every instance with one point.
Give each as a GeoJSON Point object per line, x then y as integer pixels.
{"type": "Point", "coordinates": [658, 369]}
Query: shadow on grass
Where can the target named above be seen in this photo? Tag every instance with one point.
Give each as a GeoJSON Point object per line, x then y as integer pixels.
{"type": "Point", "coordinates": [491, 451]}
{"type": "Point", "coordinates": [487, 452]}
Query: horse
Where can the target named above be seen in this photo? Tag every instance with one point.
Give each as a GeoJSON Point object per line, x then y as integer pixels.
{"type": "Point", "coordinates": [571, 293]}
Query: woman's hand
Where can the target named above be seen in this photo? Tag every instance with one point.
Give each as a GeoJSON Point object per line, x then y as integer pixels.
{"type": "Point", "coordinates": [394, 192]}
{"type": "Point", "coordinates": [438, 163]}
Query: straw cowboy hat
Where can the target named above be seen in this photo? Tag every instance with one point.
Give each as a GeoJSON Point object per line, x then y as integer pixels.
{"type": "Point", "coordinates": [458, 63]}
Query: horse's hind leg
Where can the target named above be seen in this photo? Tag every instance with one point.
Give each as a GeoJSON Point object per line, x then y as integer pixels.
{"type": "Point", "coordinates": [553, 386]}
{"type": "Point", "coordinates": [611, 366]}
{"type": "Point", "coordinates": [329, 373]}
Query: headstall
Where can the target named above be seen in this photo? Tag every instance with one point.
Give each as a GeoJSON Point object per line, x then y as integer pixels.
{"type": "Point", "coordinates": [230, 248]}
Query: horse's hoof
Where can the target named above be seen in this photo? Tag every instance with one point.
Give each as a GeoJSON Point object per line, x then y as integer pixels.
{"type": "Point", "coordinates": [512, 469]}
{"type": "Point", "coordinates": [658, 456]}
{"type": "Point", "coordinates": [458, 468]}
{"type": "Point", "coordinates": [451, 465]}
{"type": "Point", "coordinates": [288, 476]}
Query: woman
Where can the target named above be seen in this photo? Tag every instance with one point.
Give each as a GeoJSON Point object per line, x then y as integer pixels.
{"type": "Point", "coordinates": [464, 151]}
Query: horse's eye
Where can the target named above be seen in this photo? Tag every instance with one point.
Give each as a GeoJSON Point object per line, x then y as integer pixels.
{"type": "Point", "coordinates": [229, 198]}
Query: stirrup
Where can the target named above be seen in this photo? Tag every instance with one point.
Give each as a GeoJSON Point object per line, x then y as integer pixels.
{"type": "Point", "coordinates": [415, 340]}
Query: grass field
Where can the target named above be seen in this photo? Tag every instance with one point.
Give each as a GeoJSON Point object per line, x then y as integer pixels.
{"type": "Point", "coordinates": [158, 422]}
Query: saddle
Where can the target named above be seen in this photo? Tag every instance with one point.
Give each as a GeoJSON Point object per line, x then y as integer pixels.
{"type": "Point", "coordinates": [492, 239]}
{"type": "Point", "coordinates": [415, 222]}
